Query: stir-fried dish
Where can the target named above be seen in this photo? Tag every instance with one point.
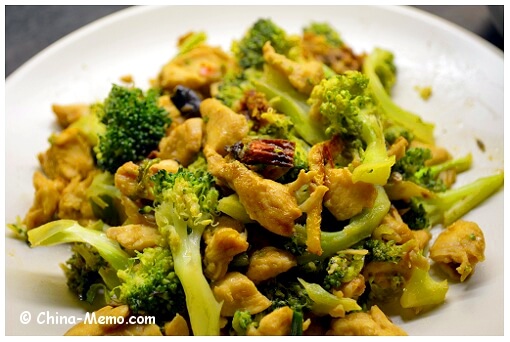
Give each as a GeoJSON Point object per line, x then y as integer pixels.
{"type": "Point", "coordinates": [274, 188]}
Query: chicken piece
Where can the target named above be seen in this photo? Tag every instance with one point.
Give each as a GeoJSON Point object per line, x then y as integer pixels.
{"type": "Point", "coordinates": [238, 292]}
{"type": "Point", "coordinates": [394, 228]}
{"type": "Point", "coordinates": [74, 203]}
{"type": "Point", "coordinates": [354, 288]}
{"type": "Point", "coordinates": [68, 156]}
{"type": "Point", "coordinates": [371, 323]}
{"type": "Point", "coordinates": [303, 76]}
{"type": "Point", "coordinates": [100, 322]}
{"type": "Point", "coordinates": [222, 244]}
{"type": "Point", "coordinates": [423, 237]}
{"type": "Point", "coordinates": [459, 248]}
{"type": "Point", "coordinates": [268, 262]}
{"type": "Point", "coordinates": [165, 102]}
{"type": "Point", "coordinates": [136, 330]}
{"type": "Point", "coordinates": [268, 202]}
{"type": "Point", "coordinates": [133, 214]}
{"type": "Point", "coordinates": [224, 127]}
{"type": "Point", "coordinates": [398, 148]}
{"type": "Point", "coordinates": [135, 237]}
{"type": "Point", "coordinates": [67, 114]}
{"type": "Point", "coordinates": [276, 323]}
{"type": "Point", "coordinates": [183, 142]}
{"type": "Point", "coordinates": [196, 69]}
{"type": "Point", "coordinates": [45, 205]}
{"type": "Point", "coordinates": [346, 199]}
{"type": "Point", "coordinates": [176, 327]}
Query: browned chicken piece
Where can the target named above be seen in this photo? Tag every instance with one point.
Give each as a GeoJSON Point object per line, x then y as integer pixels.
{"type": "Point", "coordinates": [68, 156]}
{"type": "Point", "coordinates": [393, 228]}
{"type": "Point", "coordinates": [196, 69]}
{"type": "Point", "coordinates": [238, 292]}
{"type": "Point", "coordinates": [110, 319]}
{"type": "Point", "coordinates": [371, 323]}
{"type": "Point", "coordinates": [276, 323]}
{"type": "Point", "coordinates": [176, 327]}
{"type": "Point", "coordinates": [268, 262]}
{"type": "Point", "coordinates": [459, 248]}
{"type": "Point", "coordinates": [439, 154]}
{"type": "Point", "coordinates": [346, 199]}
{"type": "Point", "coordinates": [67, 114]}
{"type": "Point", "coordinates": [268, 202]}
{"type": "Point", "coordinates": [398, 148]}
{"type": "Point", "coordinates": [224, 127]}
{"type": "Point", "coordinates": [45, 205]}
{"type": "Point", "coordinates": [174, 114]}
{"type": "Point", "coordinates": [127, 177]}
{"type": "Point", "coordinates": [135, 237]}
{"type": "Point", "coordinates": [223, 242]}
{"type": "Point", "coordinates": [183, 142]}
{"type": "Point", "coordinates": [74, 203]}
{"type": "Point", "coordinates": [303, 76]}
{"type": "Point", "coordinates": [354, 288]}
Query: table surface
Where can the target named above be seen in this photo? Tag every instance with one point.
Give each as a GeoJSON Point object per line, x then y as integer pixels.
{"type": "Point", "coordinates": [30, 29]}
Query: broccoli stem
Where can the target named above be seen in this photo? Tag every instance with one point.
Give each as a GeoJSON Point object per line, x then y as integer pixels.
{"type": "Point", "coordinates": [449, 206]}
{"type": "Point", "coordinates": [376, 165]}
{"type": "Point", "coordinates": [360, 227]}
{"type": "Point", "coordinates": [459, 165]}
{"type": "Point", "coordinates": [203, 309]}
{"type": "Point", "coordinates": [422, 130]}
{"type": "Point", "coordinates": [67, 231]}
{"type": "Point", "coordinates": [289, 102]}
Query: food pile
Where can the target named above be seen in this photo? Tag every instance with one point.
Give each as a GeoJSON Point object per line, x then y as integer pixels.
{"type": "Point", "coordinates": [272, 189]}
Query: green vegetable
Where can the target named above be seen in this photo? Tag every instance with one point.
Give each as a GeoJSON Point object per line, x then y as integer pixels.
{"type": "Point", "coordinates": [412, 168]}
{"type": "Point", "coordinates": [134, 126]}
{"type": "Point", "coordinates": [379, 68]}
{"type": "Point", "coordinates": [343, 267]}
{"type": "Point", "coordinates": [248, 50]}
{"type": "Point", "coordinates": [343, 100]}
{"type": "Point", "coordinates": [449, 206]}
{"type": "Point", "coordinates": [185, 205]}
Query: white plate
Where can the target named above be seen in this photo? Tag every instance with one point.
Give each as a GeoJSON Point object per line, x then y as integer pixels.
{"type": "Point", "coordinates": [466, 75]}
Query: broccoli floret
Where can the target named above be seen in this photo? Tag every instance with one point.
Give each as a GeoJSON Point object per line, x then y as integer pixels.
{"type": "Point", "coordinates": [186, 204]}
{"type": "Point", "coordinates": [134, 126]}
{"type": "Point", "coordinates": [151, 286]}
{"type": "Point", "coordinates": [412, 168]}
{"type": "Point", "coordinates": [241, 321]}
{"type": "Point", "coordinates": [380, 69]}
{"type": "Point", "coordinates": [344, 102]}
{"type": "Point", "coordinates": [343, 267]}
{"type": "Point", "coordinates": [325, 30]}
{"type": "Point", "coordinates": [82, 270]}
{"type": "Point", "coordinates": [449, 206]}
{"type": "Point", "coordinates": [105, 199]}
{"type": "Point", "coordinates": [385, 251]}
{"type": "Point", "coordinates": [248, 50]}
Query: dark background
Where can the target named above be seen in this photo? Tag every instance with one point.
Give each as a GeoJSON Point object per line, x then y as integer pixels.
{"type": "Point", "coordinates": [29, 29]}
